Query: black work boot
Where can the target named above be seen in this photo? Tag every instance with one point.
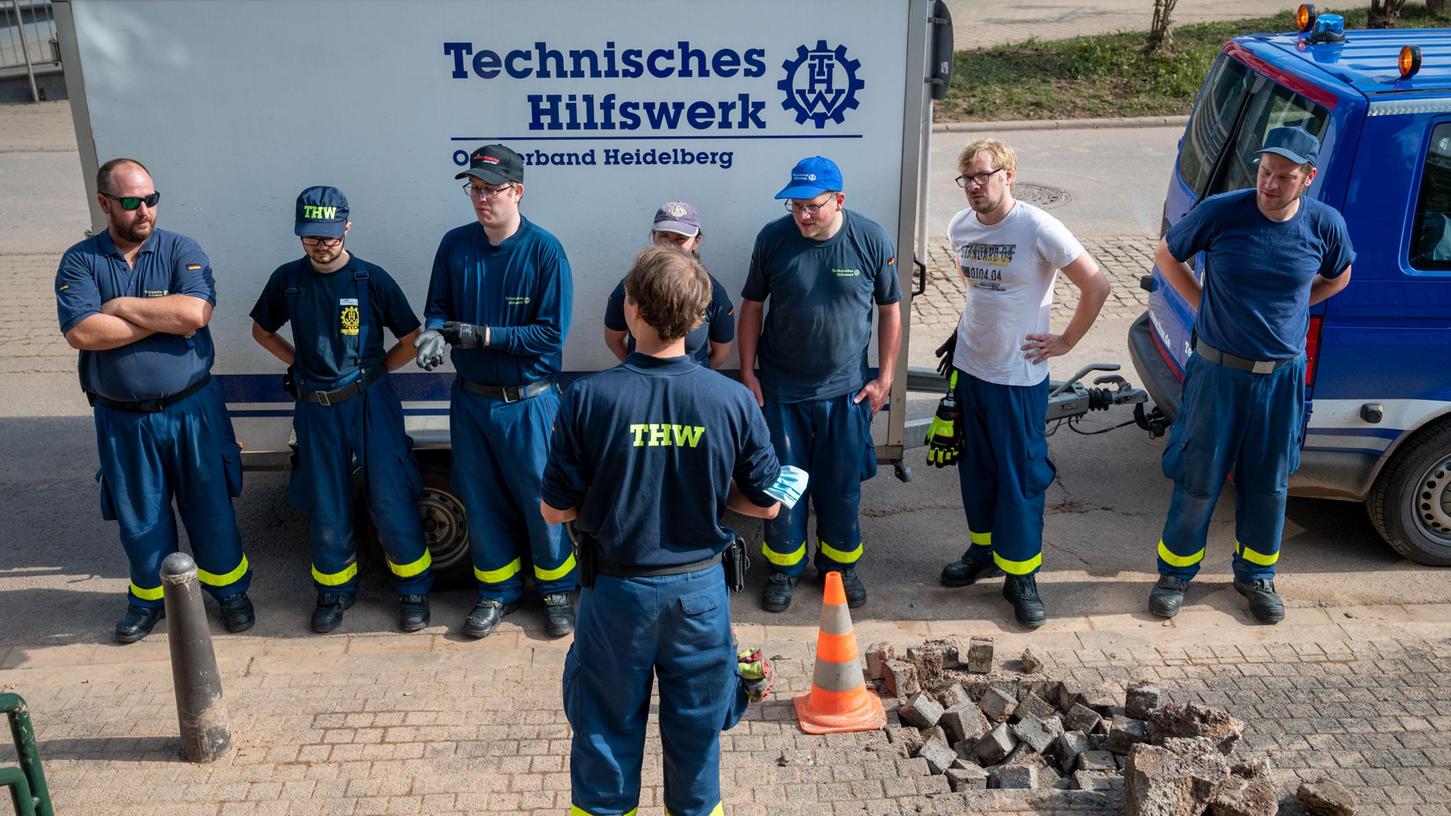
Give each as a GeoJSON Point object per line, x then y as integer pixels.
{"type": "Point", "coordinates": [558, 614]}
{"type": "Point", "coordinates": [412, 612]}
{"type": "Point", "coordinates": [968, 571]}
{"type": "Point", "coordinates": [1264, 602]}
{"type": "Point", "coordinates": [1022, 592]}
{"type": "Point", "coordinates": [856, 592]}
{"type": "Point", "coordinates": [485, 617]}
{"type": "Point", "coordinates": [1167, 595]}
{"type": "Point", "coordinates": [237, 612]}
{"type": "Point", "coordinates": [328, 614]}
{"type": "Point", "coordinates": [777, 595]}
{"type": "Point", "coordinates": [138, 622]}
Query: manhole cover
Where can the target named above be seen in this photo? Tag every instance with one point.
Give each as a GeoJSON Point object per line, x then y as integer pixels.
{"type": "Point", "coordinates": [1041, 195]}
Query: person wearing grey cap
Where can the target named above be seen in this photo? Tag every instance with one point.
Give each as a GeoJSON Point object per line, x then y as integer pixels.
{"type": "Point", "coordinates": [677, 225]}
{"type": "Point", "coordinates": [347, 417]}
{"type": "Point", "coordinates": [1270, 253]}
{"type": "Point", "coordinates": [501, 296]}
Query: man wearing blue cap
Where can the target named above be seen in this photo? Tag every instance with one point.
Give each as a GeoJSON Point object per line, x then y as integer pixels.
{"type": "Point", "coordinates": [136, 301]}
{"type": "Point", "coordinates": [501, 296]}
{"type": "Point", "coordinates": [825, 270]}
{"type": "Point", "coordinates": [347, 416]}
{"type": "Point", "coordinates": [1269, 255]}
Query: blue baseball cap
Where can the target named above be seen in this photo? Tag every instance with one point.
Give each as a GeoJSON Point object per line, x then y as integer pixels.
{"type": "Point", "coordinates": [811, 177]}
{"type": "Point", "coordinates": [1294, 143]}
{"type": "Point", "coordinates": [322, 212]}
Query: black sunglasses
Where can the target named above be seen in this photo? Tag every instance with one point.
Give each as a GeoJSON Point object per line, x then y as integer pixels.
{"type": "Point", "coordinates": [129, 203]}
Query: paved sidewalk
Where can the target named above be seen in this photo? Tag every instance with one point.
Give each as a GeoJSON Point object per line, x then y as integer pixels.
{"type": "Point", "coordinates": [979, 25]}
{"type": "Point", "coordinates": [431, 724]}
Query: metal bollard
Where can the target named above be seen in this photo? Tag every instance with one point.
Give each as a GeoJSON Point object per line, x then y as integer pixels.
{"type": "Point", "coordinates": [200, 710]}
{"type": "Point", "coordinates": [28, 791]}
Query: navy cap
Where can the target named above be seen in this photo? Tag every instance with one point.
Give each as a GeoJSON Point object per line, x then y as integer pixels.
{"type": "Point", "coordinates": [322, 212]}
{"type": "Point", "coordinates": [494, 164]}
{"type": "Point", "coordinates": [811, 177]}
{"type": "Point", "coordinates": [1294, 143]}
{"type": "Point", "coordinates": [677, 217]}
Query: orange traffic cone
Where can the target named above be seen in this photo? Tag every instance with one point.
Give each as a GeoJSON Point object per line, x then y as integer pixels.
{"type": "Point", "coordinates": [838, 700]}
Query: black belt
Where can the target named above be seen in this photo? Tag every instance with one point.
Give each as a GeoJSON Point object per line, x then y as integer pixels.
{"type": "Point", "coordinates": [1217, 357]}
{"type": "Point", "coordinates": [615, 569]}
{"type": "Point", "coordinates": [150, 406]}
{"type": "Point", "coordinates": [356, 387]}
{"type": "Point", "coordinates": [507, 393]}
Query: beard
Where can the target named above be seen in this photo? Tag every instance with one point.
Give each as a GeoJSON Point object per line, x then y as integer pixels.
{"type": "Point", "coordinates": [137, 231]}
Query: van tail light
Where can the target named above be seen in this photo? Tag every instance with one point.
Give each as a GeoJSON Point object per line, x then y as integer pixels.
{"type": "Point", "coordinates": [1312, 348]}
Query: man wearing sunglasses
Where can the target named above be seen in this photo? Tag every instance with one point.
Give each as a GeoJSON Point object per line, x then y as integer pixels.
{"type": "Point", "coordinates": [136, 300]}
{"type": "Point", "coordinates": [501, 296]}
{"type": "Point", "coordinates": [826, 269]}
{"type": "Point", "coordinates": [347, 417]}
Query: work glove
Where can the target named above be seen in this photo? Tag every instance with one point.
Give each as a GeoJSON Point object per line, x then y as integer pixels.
{"type": "Point", "coordinates": [462, 335]}
{"type": "Point", "coordinates": [944, 436]}
{"type": "Point", "coordinates": [944, 355]}
{"type": "Point", "coordinates": [789, 486]}
{"type": "Point", "coordinates": [432, 348]}
{"type": "Point", "coordinates": [756, 673]}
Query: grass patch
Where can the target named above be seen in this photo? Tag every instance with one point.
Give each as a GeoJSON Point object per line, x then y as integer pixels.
{"type": "Point", "coordinates": [1108, 75]}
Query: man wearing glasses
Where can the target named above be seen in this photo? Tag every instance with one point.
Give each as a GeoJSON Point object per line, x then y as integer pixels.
{"type": "Point", "coordinates": [826, 269]}
{"type": "Point", "coordinates": [1009, 254]}
{"type": "Point", "coordinates": [136, 300]}
{"type": "Point", "coordinates": [347, 415]}
{"type": "Point", "coordinates": [501, 296]}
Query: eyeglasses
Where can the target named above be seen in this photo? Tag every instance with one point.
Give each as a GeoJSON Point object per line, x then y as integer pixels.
{"type": "Point", "coordinates": [808, 209]}
{"type": "Point", "coordinates": [130, 203]}
{"type": "Point", "coordinates": [320, 241]}
{"type": "Point", "coordinates": [482, 192]}
{"type": "Point", "coordinates": [980, 179]}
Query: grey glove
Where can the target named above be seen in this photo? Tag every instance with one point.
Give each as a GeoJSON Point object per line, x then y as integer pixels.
{"type": "Point", "coordinates": [463, 335]}
{"type": "Point", "coordinates": [432, 348]}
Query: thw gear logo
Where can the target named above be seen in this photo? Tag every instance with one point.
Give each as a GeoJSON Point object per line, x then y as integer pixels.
{"type": "Point", "coordinates": [820, 84]}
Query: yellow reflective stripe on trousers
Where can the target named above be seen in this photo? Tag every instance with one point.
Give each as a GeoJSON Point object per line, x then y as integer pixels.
{"type": "Point", "coordinates": [840, 556]}
{"type": "Point", "coordinates": [147, 594]}
{"type": "Point", "coordinates": [980, 539]}
{"type": "Point", "coordinates": [501, 574]}
{"type": "Point", "coordinates": [212, 579]}
{"type": "Point", "coordinates": [790, 559]}
{"type": "Point", "coordinates": [1018, 567]}
{"type": "Point", "coordinates": [576, 810]}
{"type": "Point", "coordinates": [1255, 557]}
{"type": "Point", "coordinates": [555, 574]}
{"type": "Point", "coordinates": [409, 570]}
{"type": "Point", "coordinates": [1179, 560]}
{"type": "Point", "coordinates": [337, 578]}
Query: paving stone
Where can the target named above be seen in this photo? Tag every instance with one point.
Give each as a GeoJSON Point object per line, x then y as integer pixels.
{"type": "Point", "coordinates": [1326, 797]}
{"type": "Point", "coordinates": [997, 705]}
{"type": "Point", "coordinates": [900, 678]}
{"type": "Point", "coordinates": [1097, 761]}
{"type": "Point", "coordinates": [920, 711]}
{"type": "Point", "coordinates": [936, 732]}
{"type": "Point", "coordinates": [938, 754]}
{"type": "Point", "coordinates": [1033, 705]}
{"type": "Point", "coordinates": [1081, 718]}
{"type": "Point", "coordinates": [1098, 781]}
{"type": "Point", "coordinates": [1017, 777]}
{"type": "Point", "coordinates": [1031, 731]}
{"type": "Point", "coordinates": [1029, 662]}
{"type": "Point", "coordinates": [928, 660]}
{"type": "Point", "coordinates": [1067, 748]}
{"type": "Point", "coordinates": [1140, 699]}
{"type": "Point", "coordinates": [964, 722]}
{"type": "Point", "coordinates": [953, 695]}
{"type": "Point", "coordinates": [877, 656]}
{"type": "Point", "coordinates": [995, 745]}
{"type": "Point", "coordinates": [1124, 733]}
{"type": "Point", "coordinates": [966, 776]}
{"type": "Point", "coordinates": [979, 655]}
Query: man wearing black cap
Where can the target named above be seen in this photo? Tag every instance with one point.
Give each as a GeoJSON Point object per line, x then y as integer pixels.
{"type": "Point", "coordinates": [347, 411]}
{"type": "Point", "coordinates": [1269, 255]}
{"type": "Point", "coordinates": [501, 296]}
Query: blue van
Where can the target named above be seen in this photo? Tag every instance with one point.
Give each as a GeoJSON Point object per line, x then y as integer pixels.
{"type": "Point", "coordinates": [1378, 382]}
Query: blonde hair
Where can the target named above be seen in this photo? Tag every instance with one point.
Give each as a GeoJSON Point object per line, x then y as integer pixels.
{"type": "Point", "coordinates": [1003, 156]}
{"type": "Point", "coordinates": [671, 288]}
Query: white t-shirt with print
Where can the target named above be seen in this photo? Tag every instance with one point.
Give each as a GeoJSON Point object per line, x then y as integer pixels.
{"type": "Point", "coordinates": [1010, 269]}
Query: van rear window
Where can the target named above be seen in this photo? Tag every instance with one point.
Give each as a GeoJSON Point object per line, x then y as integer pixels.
{"type": "Point", "coordinates": [1431, 233]}
{"type": "Point", "coordinates": [1213, 117]}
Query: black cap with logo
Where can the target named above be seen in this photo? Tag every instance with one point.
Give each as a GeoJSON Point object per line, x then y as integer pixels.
{"type": "Point", "coordinates": [495, 164]}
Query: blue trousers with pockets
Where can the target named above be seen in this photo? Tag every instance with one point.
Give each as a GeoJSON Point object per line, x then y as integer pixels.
{"type": "Point", "coordinates": [187, 452]}
{"type": "Point", "coordinates": [830, 439]}
{"type": "Point", "coordinates": [1004, 471]}
{"type": "Point", "coordinates": [1235, 422]}
{"type": "Point", "coordinates": [365, 432]}
{"type": "Point", "coordinates": [630, 632]}
{"type": "Point", "coordinates": [499, 450]}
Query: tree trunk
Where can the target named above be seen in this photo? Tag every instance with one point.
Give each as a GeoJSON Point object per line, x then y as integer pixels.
{"type": "Point", "coordinates": [1436, 6]}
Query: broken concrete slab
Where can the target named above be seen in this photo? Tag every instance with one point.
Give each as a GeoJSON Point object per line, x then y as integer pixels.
{"type": "Point", "coordinates": [1140, 699]}
{"type": "Point", "coordinates": [1177, 720]}
{"type": "Point", "coordinates": [1245, 797]}
{"type": "Point", "coordinates": [1029, 663]}
{"type": "Point", "coordinates": [1326, 797]}
{"type": "Point", "coordinates": [1179, 779]}
{"type": "Point", "coordinates": [920, 711]}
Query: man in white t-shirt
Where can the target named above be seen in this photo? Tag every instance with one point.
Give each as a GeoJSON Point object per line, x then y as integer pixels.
{"type": "Point", "coordinates": [1009, 253]}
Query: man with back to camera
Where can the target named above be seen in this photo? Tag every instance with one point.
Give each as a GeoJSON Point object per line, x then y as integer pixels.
{"type": "Point", "coordinates": [825, 269]}
{"type": "Point", "coordinates": [347, 412]}
{"type": "Point", "coordinates": [136, 301]}
{"type": "Point", "coordinates": [1270, 253]}
{"type": "Point", "coordinates": [501, 296]}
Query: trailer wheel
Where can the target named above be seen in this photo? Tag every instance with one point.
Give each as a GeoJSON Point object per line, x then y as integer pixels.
{"type": "Point", "coordinates": [1410, 503]}
{"type": "Point", "coordinates": [445, 528]}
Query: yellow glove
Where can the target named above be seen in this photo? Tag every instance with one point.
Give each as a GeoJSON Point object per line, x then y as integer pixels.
{"type": "Point", "coordinates": [944, 435]}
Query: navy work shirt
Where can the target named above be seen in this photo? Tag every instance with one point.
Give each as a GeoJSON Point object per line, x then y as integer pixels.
{"type": "Point", "coordinates": [647, 451]}
{"type": "Point", "coordinates": [326, 332]}
{"type": "Point", "coordinates": [719, 325]}
{"type": "Point", "coordinates": [168, 263]}
{"type": "Point", "coordinates": [1258, 272]}
{"type": "Point", "coordinates": [819, 323]}
{"type": "Point", "coordinates": [521, 289]}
